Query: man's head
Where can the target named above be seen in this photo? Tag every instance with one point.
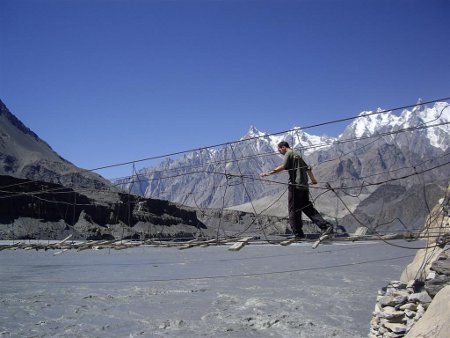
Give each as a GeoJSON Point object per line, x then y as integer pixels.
{"type": "Point", "coordinates": [283, 147]}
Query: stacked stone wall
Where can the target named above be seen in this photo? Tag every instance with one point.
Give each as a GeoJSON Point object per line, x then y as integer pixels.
{"type": "Point", "coordinates": [401, 306]}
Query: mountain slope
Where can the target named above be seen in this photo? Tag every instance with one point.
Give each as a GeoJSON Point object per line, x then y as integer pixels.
{"type": "Point", "coordinates": [24, 155]}
{"type": "Point", "coordinates": [46, 197]}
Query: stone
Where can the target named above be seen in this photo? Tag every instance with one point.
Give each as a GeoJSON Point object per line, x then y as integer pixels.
{"type": "Point", "coordinates": [390, 291]}
{"type": "Point", "coordinates": [402, 292]}
{"type": "Point", "coordinates": [443, 255]}
{"type": "Point", "coordinates": [394, 335]}
{"type": "Point", "coordinates": [396, 291]}
{"type": "Point", "coordinates": [375, 322]}
{"type": "Point", "coordinates": [383, 321]}
{"type": "Point", "coordinates": [398, 300]}
{"type": "Point", "coordinates": [398, 320]}
{"type": "Point", "coordinates": [395, 327]}
{"type": "Point", "coordinates": [410, 323]}
{"type": "Point", "coordinates": [433, 286]}
{"type": "Point", "coordinates": [382, 330]}
{"type": "Point", "coordinates": [442, 267]}
{"type": "Point", "coordinates": [431, 275]}
{"type": "Point", "coordinates": [393, 299]}
{"type": "Point", "coordinates": [410, 284]}
{"type": "Point", "coordinates": [410, 313]}
{"type": "Point", "coordinates": [398, 284]}
{"type": "Point", "coordinates": [390, 312]}
{"type": "Point", "coordinates": [386, 301]}
{"type": "Point", "coordinates": [377, 308]}
{"type": "Point", "coordinates": [409, 306]}
{"type": "Point", "coordinates": [421, 297]}
{"type": "Point", "coordinates": [391, 315]}
{"type": "Point", "coordinates": [420, 312]}
{"type": "Point", "coordinates": [443, 240]}
{"type": "Point", "coordinates": [417, 269]}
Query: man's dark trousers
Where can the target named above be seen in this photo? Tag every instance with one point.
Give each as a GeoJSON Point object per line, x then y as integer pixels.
{"type": "Point", "coordinates": [298, 202]}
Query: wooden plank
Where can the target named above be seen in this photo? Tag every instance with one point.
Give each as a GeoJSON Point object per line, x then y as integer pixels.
{"type": "Point", "coordinates": [320, 240]}
{"type": "Point", "coordinates": [291, 241]}
{"type": "Point", "coordinates": [240, 244]}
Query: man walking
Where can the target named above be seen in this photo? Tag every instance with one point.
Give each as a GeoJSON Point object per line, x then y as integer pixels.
{"type": "Point", "coordinates": [298, 191]}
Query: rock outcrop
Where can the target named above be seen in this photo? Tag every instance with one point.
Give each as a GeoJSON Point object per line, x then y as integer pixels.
{"type": "Point", "coordinates": [435, 321]}
{"type": "Point", "coordinates": [419, 304]}
{"type": "Point", "coordinates": [23, 154]}
{"type": "Point", "coordinates": [42, 210]}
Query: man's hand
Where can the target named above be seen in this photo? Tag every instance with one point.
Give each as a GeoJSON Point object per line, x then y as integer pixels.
{"type": "Point", "coordinates": [274, 171]}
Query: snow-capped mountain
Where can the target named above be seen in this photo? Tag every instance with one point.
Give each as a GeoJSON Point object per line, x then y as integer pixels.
{"type": "Point", "coordinates": [376, 147]}
{"type": "Point", "coordinates": [438, 116]}
{"type": "Point", "coordinates": [296, 137]}
{"type": "Point", "coordinates": [198, 177]}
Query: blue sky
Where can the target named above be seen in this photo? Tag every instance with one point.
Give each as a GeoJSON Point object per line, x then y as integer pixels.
{"type": "Point", "coordinates": [113, 81]}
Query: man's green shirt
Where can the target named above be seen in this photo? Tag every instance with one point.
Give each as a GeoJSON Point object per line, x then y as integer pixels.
{"type": "Point", "coordinates": [297, 168]}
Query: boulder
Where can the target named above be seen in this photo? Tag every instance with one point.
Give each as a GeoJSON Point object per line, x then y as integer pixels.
{"type": "Point", "coordinates": [441, 266]}
{"type": "Point", "coordinates": [417, 269]}
{"type": "Point", "coordinates": [421, 297]}
{"type": "Point", "coordinates": [433, 286]}
{"type": "Point", "coordinates": [435, 322]}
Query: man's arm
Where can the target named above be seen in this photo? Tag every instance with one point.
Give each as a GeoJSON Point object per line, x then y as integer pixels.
{"type": "Point", "coordinates": [274, 171]}
{"type": "Point", "coordinates": [311, 176]}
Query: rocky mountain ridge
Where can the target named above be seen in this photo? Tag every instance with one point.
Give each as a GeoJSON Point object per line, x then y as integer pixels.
{"type": "Point", "coordinates": [24, 155]}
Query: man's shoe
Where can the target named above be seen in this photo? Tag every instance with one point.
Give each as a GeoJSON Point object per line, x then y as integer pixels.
{"type": "Point", "coordinates": [300, 235]}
